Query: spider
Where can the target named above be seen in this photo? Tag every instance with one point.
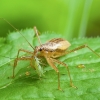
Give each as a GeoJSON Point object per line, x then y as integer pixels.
{"type": "Point", "coordinates": [50, 50]}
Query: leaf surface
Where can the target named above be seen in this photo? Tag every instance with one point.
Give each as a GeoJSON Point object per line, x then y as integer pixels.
{"type": "Point", "coordinates": [31, 87]}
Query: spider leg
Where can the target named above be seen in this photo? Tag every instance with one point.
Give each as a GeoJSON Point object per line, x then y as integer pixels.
{"type": "Point", "coordinates": [20, 58]}
{"type": "Point", "coordinates": [59, 62]}
{"type": "Point", "coordinates": [50, 62]}
{"type": "Point", "coordinates": [37, 34]}
{"type": "Point", "coordinates": [81, 47]}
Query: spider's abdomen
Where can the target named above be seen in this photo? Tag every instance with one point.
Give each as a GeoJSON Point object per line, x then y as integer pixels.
{"type": "Point", "coordinates": [57, 44]}
{"type": "Point", "coordinates": [53, 48]}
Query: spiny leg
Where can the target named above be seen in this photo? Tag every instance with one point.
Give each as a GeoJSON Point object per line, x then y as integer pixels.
{"type": "Point", "coordinates": [59, 62]}
{"type": "Point", "coordinates": [55, 68]}
{"type": "Point", "coordinates": [15, 63]}
{"type": "Point", "coordinates": [23, 51]}
{"type": "Point", "coordinates": [37, 34]}
{"type": "Point", "coordinates": [21, 58]}
{"type": "Point", "coordinates": [81, 47]}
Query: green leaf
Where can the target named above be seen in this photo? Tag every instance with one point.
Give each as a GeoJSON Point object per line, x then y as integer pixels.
{"type": "Point", "coordinates": [31, 87]}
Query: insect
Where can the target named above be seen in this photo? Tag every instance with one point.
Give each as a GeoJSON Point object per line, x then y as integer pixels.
{"type": "Point", "coordinates": [50, 50]}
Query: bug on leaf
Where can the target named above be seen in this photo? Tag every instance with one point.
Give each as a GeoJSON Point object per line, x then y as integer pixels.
{"type": "Point", "coordinates": [50, 50]}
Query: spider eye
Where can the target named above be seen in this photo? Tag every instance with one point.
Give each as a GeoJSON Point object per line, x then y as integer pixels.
{"type": "Point", "coordinates": [40, 49]}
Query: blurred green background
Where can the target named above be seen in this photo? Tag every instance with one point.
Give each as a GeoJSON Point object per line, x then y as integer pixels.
{"type": "Point", "coordinates": [72, 18]}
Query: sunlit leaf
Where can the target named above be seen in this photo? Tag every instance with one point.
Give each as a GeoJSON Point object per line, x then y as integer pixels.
{"type": "Point", "coordinates": [28, 86]}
